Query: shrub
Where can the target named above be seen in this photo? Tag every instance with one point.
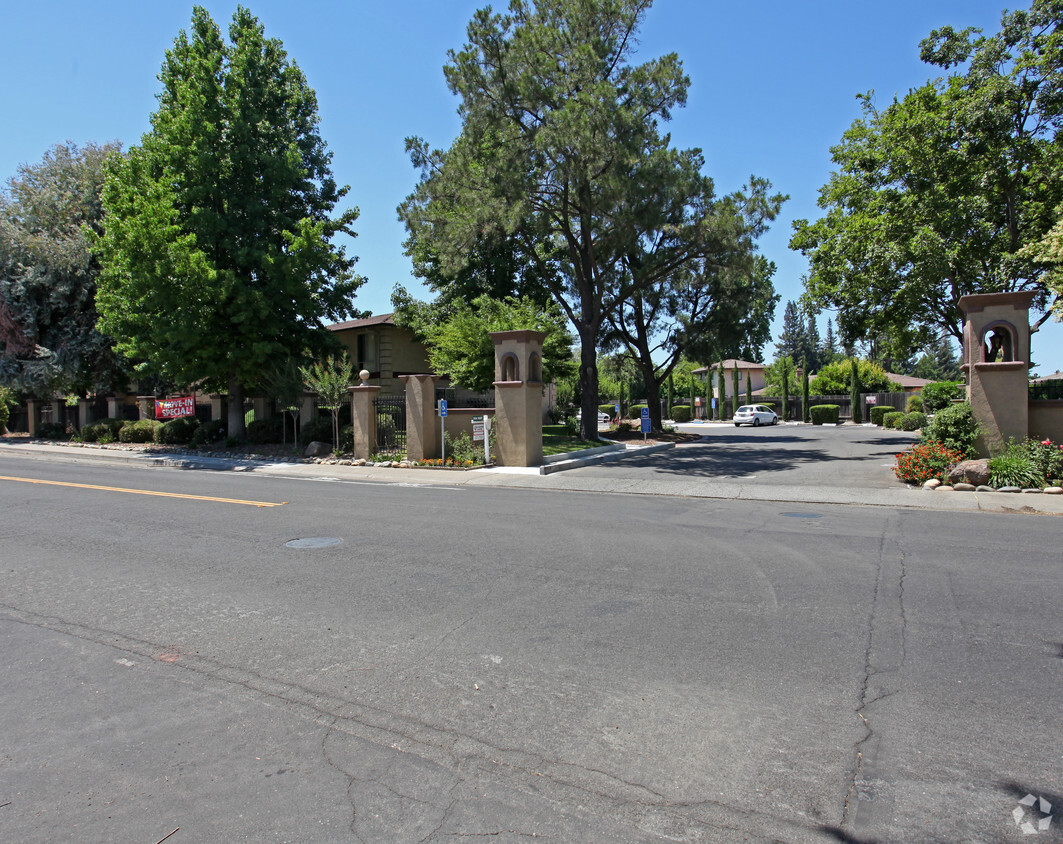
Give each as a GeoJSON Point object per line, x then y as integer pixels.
{"type": "Point", "coordinates": [265, 430]}
{"type": "Point", "coordinates": [138, 432]}
{"type": "Point", "coordinates": [102, 430]}
{"type": "Point", "coordinates": [915, 404]}
{"type": "Point", "coordinates": [1015, 467]}
{"type": "Point", "coordinates": [924, 461]}
{"type": "Point", "coordinates": [877, 412]}
{"type": "Point", "coordinates": [681, 413]}
{"type": "Point", "coordinates": [209, 432]}
{"type": "Point", "coordinates": [462, 451]}
{"type": "Point", "coordinates": [1048, 456]}
{"type": "Point", "coordinates": [347, 438]}
{"type": "Point", "coordinates": [607, 408]}
{"type": "Point", "coordinates": [319, 428]}
{"type": "Point", "coordinates": [5, 415]}
{"type": "Point", "coordinates": [939, 395]}
{"type": "Point", "coordinates": [634, 411]}
{"type": "Point", "coordinates": [911, 421]}
{"type": "Point", "coordinates": [954, 427]}
{"type": "Point", "coordinates": [892, 418]}
{"type": "Point", "coordinates": [52, 431]}
{"type": "Point", "coordinates": [177, 431]}
{"type": "Point", "coordinates": [824, 414]}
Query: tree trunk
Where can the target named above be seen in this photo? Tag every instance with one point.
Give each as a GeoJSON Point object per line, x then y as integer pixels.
{"type": "Point", "coordinates": [588, 382]}
{"type": "Point", "coordinates": [235, 424]}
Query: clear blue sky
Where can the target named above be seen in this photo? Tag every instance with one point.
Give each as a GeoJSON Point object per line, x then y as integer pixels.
{"type": "Point", "coordinates": [773, 86]}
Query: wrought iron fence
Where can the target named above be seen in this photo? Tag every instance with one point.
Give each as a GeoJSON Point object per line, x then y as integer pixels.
{"type": "Point", "coordinates": [390, 425]}
{"type": "Point", "coordinates": [1047, 391]}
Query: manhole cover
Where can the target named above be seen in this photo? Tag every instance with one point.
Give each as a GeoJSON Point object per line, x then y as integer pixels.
{"type": "Point", "coordinates": [313, 542]}
{"type": "Point", "coordinates": [803, 515]}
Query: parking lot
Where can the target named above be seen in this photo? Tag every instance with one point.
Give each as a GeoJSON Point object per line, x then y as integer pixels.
{"type": "Point", "coordinates": [785, 454]}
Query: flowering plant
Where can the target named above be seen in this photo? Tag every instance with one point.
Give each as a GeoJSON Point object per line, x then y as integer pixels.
{"type": "Point", "coordinates": [924, 461]}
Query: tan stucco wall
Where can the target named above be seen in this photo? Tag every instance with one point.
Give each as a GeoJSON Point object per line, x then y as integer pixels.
{"type": "Point", "coordinates": [1046, 420]}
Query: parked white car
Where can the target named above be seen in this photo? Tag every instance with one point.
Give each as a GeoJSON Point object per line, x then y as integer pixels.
{"type": "Point", "coordinates": [603, 418]}
{"type": "Point", "coordinates": [755, 415]}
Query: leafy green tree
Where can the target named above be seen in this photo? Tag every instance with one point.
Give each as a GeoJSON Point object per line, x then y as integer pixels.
{"type": "Point", "coordinates": [780, 373]}
{"type": "Point", "coordinates": [48, 276]}
{"type": "Point", "coordinates": [331, 380]}
{"type": "Point", "coordinates": [854, 391]}
{"type": "Point", "coordinates": [559, 152]}
{"type": "Point", "coordinates": [835, 379]}
{"type": "Point", "coordinates": [458, 335]}
{"type": "Point", "coordinates": [935, 196]}
{"type": "Point", "coordinates": [217, 247]}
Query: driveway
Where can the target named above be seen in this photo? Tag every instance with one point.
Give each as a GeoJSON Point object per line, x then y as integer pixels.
{"type": "Point", "coordinates": [786, 455]}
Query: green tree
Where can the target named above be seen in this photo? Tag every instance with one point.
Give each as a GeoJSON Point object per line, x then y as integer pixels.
{"type": "Point", "coordinates": [780, 373]}
{"type": "Point", "coordinates": [835, 379]}
{"type": "Point", "coordinates": [48, 276]}
{"type": "Point", "coordinates": [331, 380]}
{"type": "Point", "coordinates": [457, 335]}
{"type": "Point", "coordinates": [935, 196]}
{"type": "Point", "coordinates": [217, 246]}
{"type": "Point", "coordinates": [854, 391]}
{"type": "Point", "coordinates": [559, 152]}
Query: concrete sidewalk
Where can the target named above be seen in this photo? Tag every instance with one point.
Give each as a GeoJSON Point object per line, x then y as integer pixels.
{"type": "Point", "coordinates": [615, 483]}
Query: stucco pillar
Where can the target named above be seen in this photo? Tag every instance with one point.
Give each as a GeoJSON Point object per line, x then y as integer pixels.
{"type": "Point", "coordinates": [33, 416]}
{"type": "Point", "coordinates": [518, 397]}
{"type": "Point", "coordinates": [307, 410]}
{"type": "Point", "coordinates": [114, 407]}
{"type": "Point", "coordinates": [422, 424]}
{"type": "Point", "coordinates": [85, 414]}
{"type": "Point", "coordinates": [219, 407]}
{"type": "Point", "coordinates": [363, 417]}
{"type": "Point", "coordinates": [262, 409]}
{"type": "Point", "coordinates": [996, 355]}
{"type": "Point", "coordinates": [146, 407]}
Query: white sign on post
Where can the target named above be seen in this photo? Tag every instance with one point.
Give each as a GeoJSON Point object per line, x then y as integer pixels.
{"type": "Point", "coordinates": [477, 429]}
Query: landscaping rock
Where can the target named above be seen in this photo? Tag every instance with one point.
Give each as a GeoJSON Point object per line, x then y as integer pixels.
{"type": "Point", "coordinates": [1009, 489]}
{"type": "Point", "coordinates": [933, 483]}
{"type": "Point", "coordinates": [970, 472]}
{"type": "Point", "coordinates": [962, 487]}
{"type": "Point", "coordinates": [318, 449]}
{"type": "Point", "coordinates": [944, 488]}
{"type": "Point", "coordinates": [1054, 490]}
{"type": "Point", "coordinates": [1031, 491]}
{"type": "Point", "coordinates": [984, 488]}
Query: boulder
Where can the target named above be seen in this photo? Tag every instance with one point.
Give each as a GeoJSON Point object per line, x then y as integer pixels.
{"type": "Point", "coordinates": [970, 472]}
{"type": "Point", "coordinates": [318, 449]}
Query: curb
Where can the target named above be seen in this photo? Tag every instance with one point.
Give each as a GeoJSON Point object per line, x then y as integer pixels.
{"type": "Point", "coordinates": [605, 454]}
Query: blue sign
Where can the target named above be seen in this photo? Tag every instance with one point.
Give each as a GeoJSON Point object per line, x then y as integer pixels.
{"type": "Point", "coordinates": [617, 408]}
{"type": "Point", "coordinates": [645, 420]}
{"type": "Point", "coordinates": [442, 407]}
{"type": "Point", "coordinates": [645, 413]}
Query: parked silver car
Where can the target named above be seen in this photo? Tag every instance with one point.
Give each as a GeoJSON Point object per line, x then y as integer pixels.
{"type": "Point", "coordinates": [755, 415]}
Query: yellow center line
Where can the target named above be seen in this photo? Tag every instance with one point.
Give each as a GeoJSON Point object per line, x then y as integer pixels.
{"type": "Point", "coordinates": [148, 492]}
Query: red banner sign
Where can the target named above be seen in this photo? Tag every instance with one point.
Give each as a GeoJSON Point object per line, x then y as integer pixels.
{"type": "Point", "coordinates": [173, 408]}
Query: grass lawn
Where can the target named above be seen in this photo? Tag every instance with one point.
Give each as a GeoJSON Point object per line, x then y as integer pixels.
{"type": "Point", "coordinates": [557, 441]}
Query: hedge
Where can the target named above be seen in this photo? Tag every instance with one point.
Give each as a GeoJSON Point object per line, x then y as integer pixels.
{"type": "Point", "coordinates": [177, 431]}
{"type": "Point", "coordinates": [877, 412]}
{"type": "Point", "coordinates": [824, 414]}
{"type": "Point", "coordinates": [912, 421]}
{"type": "Point", "coordinates": [681, 413]}
{"type": "Point", "coordinates": [138, 432]}
{"type": "Point", "coordinates": [891, 419]}
{"type": "Point", "coordinates": [634, 411]}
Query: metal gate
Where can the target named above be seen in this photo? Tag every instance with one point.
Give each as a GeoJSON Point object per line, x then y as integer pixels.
{"type": "Point", "coordinates": [390, 425]}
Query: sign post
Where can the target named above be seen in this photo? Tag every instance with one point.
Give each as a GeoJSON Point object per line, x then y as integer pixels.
{"type": "Point", "coordinates": [443, 428]}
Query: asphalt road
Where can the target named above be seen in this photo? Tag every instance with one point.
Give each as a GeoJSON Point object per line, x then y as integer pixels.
{"type": "Point", "coordinates": [515, 664]}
